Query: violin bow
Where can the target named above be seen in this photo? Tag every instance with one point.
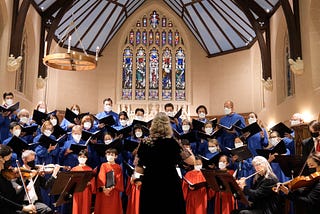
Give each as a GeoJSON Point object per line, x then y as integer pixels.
{"type": "Point", "coordinates": [305, 163]}
{"type": "Point", "coordinates": [23, 183]}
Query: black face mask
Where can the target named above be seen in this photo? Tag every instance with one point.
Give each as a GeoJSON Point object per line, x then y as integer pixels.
{"type": "Point", "coordinates": [312, 170]}
{"type": "Point", "coordinates": [314, 134]}
{"type": "Point", "coordinates": [7, 164]}
{"type": "Point", "coordinates": [32, 164]}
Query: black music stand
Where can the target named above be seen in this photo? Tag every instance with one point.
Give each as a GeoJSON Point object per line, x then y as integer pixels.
{"type": "Point", "coordinates": [291, 165]}
{"type": "Point", "coordinates": [222, 181]}
{"type": "Point", "coordinates": [67, 183]}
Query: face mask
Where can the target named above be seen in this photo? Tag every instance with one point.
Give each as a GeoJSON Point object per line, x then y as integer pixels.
{"type": "Point", "coordinates": [107, 108]}
{"type": "Point", "coordinates": [110, 158]}
{"type": "Point", "coordinates": [208, 130]}
{"type": "Point", "coordinates": [82, 161]}
{"type": "Point", "coordinates": [314, 134]}
{"type": "Point", "coordinates": [24, 119]}
{"type": "Point", "coordinates": [252, 120]}
{"type": "Point", "coordinates": [76, 112]}
{"type": "Point", "coordinates": [202, 115]}
{"type": "Point", "coordinates": [32, 164]}
{"type": "Point", "coordinates": [9, 102]}
{"type": "Point", "coordinates": [123, 122]}
{"type": "Point", "coordinates": [222, 165]}
{"type": "Point", "coordinates": [170, 114]}
{"type": "Point", "coordinates": [227, 110]}
{"type": "Point", "coordinates": [54, 122]}
{"type": "Point", "coordinates": [294, 122]}
{"type": "Point", "coordinates": [43, 110]}
{"type": "Point", "coordinates": [185, 128]}
{"type": "Point", "coordinates": [7, 164]}
{"type": "Point", "coordinates": [197, 167]}
{"type": "Point", "coordinates": [138, 117]}
{"type": "Point", "coordinates": [76, 137]}
{"type": "Point", "coordinates": [138, 134]}
{"type": "Point", "coordinates": [107, 142]}
{"type": "Point", "coordinates": [47, 133]}
{"type": "Point", "coordinates": [273, 141]}
{"type": "Point", "coordinates": [237, 145]}
{"type": "Point", "coordinates": [87, 125]}
{"type": "Point", "coordinates": [17, 132]}
{"type": "Point", "coordinates": [212, 149]}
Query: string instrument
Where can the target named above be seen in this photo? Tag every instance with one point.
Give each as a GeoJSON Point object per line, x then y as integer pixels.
{"type": "Point", "coordinates": [300, 181]}
{"type": "Point", "coordinates": [13, 173]}
{"type": "Point", "coordinates": [50, 167]}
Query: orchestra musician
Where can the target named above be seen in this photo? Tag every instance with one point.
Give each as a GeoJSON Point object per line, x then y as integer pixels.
{"type": "Point", "coordinates": [308, 196]}
{"type": "Point", "coordinates": [263, 199]}
{"type": "Point", "coordinates": [10, 201]}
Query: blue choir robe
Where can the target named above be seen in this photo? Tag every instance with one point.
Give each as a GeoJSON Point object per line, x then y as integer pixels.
{"type": "Point", "coordinates": [70, 159]}
{"type": "Point", "coordinates": [43, 157]}
{"type": "Point", "coordinates": [227, 139]}
{"type": "Point", "coordinates": [103, 114]}
{"type": "Point", "coordinates": [256, 142]}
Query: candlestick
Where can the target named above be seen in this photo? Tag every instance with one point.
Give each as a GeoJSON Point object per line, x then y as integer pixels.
{"type": "Point", "coordinates": [69, 44]}
{"type": "Point", "coordinates": [97, 52]}
{"type": "Point", "coordinates": [45, 48]}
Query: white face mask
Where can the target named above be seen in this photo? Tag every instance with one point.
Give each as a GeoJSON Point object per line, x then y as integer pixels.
{"type": "Point", "coordinates": [107, 142]}
{"type": "Point", "coordinates": [47, 133]}
{"type": "Point", "coordinates": [202, 115]}
{"type": "Point", "coordinates": [212, 149]}
{"type": "Point", "coordinates": [9, 102]}
{"type": "Point", "coordinates": [24, 119]}
{"type": "Point", "coordinates": [76, 137]}
{"type": "Point", "coordinates": [197, 167]}
{"type": "Point", "coordinates": [237, 145]}
{"type": "Point", "coordinates": [294, 122]}
{"type": "Point", "coordinates": [110, 158]}
{"type": "Point", "coordinates": [107, 108]}
{"type": "Point", "coordinates": [54, 122]}
{"type": "Point", "coordinates": [208, 130]}
{"type": "Point", "coordinates": [123, 122]}
{"type": "Point", "coordinates": [82, 161]}
{"type": "Point", "coordinates": [43, 110]}
{"type": "Point", "coordinates": [17, 132]}
{"type": "Point", "coordinates": [252, 120]}
{"type": "Point", "coordinates": [138, 117]}
{"type": "Point", "coordinates": [274, 141]}
{"type": "Point", "coordinates": [138, 134]}
{"type": "Point", "coordinates": [227, 110]}
{"type": "Point", "coordinates": [87, 125]}
{"type": "Point", "coordinates": [185, 128]}
{"type": "Point", "coordinates": [76, 112]}
{"type": "Point", "coordinates": [170, 113]}
{"type": "Point", "coordinates": [222, 165]}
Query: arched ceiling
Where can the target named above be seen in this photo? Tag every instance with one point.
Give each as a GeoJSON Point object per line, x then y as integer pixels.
{"type": "Point", "coordinates": [220, 26]}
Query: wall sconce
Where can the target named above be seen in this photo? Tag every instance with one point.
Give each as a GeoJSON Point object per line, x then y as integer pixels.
{"type": "Point", "coordinates": [268, 84]}
{"type": "Point", "coordinates": [13, 64]}
{"type": "Point", "coordinates": [296, 66]}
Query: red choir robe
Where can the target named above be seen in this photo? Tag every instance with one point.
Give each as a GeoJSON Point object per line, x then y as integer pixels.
{"type": "Point", "coordinates": [228, 202]}
{"type": "Point", "coordinates": [196, 200]}
{"type": "Point", "coordinates": [82, 200]}
{"type": "Point", "coordinates": [111, 203]}
{"type": "Point", "coordinates": [133, 193]}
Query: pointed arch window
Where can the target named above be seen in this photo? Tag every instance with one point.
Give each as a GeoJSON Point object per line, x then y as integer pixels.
{"type": "Point", "coordinates": [154, 60]}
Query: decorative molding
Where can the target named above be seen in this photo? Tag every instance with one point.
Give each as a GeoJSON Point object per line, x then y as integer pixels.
{"type": "Point", "coordinates": [268, 84]}
{"type": "Point", "coordinates": [13, 64]}
{"type": "Point", "coordinates": [296, 66]}
{"type": "Point", "coordinates": [41, 82]}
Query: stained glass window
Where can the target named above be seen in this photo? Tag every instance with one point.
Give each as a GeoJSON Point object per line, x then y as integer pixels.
{"type": "Point", "coordinates": [141, 74]}
{"type": "Point", "coordinates": [154, 65]}
{"type": "Point", "coordinates": [127, 74]}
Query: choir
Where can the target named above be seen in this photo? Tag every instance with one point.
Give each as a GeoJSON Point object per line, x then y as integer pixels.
{"type": "Point", "coordinates": [108, 145]}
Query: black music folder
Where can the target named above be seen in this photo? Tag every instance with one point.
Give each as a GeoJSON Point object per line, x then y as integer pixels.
{"type": "Point", "coordinates": [130, 145]}
{"type": "Point", "coordinates": [281, 128]}
{"type": "Point", "coordinates": [190, 136]}
{"type": "Point", "coordinates": [18, 145]}
{"type": "Point", "coordinates": [101, 148]}
{"type": "Point", "coordinates": [125, 131]}
{"type": "Point", "coordinates": [213, 159]}
{"type": "Point", "coordinates": [291, 165]}
{"type": "Point", "coordinates": [47, 141]}
{"type": "Point", "coordinates": [177, 115]}
{"type": "Point", "coordinates": [71, 116]}
{"type": "Point", "coordinates": [195, 186]}
{"type": "Point", "coordinates": [280, 148]}
{"type": "Point", "coordinates": [39, 117]}
{"type": "Point", "coordinates": [29, 130]}
{"type": "Point", "coordinates": [243, 152]}
{"type": "Point", "coordinates": [205, 136]}
{"type": "Point", "coordinates": [92, 135]}
{"type": "Point", "coordinates": [252, 129]}
{"type": "Point", "coordinates": [143, 123]}
{"type": "Point", "coordinates": [76, 148]}
{"type": "Point", "coordinates": [10, 108]}
{"type": "Point", "coordinates": [108, 120]}
{"type": "Point", "coordinates": [234, 125]}
{"type": "Point", "coordinates": [110, 181]}
{"type": "Point", "coordinates": [58, 131]}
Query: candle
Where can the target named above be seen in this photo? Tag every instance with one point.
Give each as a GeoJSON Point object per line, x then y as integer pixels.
{"type": "Point", "coordinates": [45, 48]}
{"type": "Point", "coordinates": [69, 44]}
{"type": "Point", "coordinates": [97, 52]}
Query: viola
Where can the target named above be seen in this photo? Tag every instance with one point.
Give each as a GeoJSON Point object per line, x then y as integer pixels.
{"type": "Point", "coordinates": [300, 181]}
{"type": "Point", "coordinates": [13, 173]}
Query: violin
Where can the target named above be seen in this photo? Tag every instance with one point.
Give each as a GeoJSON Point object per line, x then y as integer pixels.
{"type": "Point", "coordinates": [300, 181]}
{"type": "Point", "coordinates": [13, 173]}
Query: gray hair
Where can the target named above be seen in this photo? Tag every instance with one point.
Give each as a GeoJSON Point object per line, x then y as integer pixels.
{"type": "Point", "coordinates": [26, 154]}
{"type": "Point", "coordinates": [259, 160]}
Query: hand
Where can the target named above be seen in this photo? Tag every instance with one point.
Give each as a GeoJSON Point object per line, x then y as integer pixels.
{"type": "Point", "coordinates": [29, 208]}
{"type": "Point", "coordinates": [235, 158]}
{"type": "Point", "coordinates": [241, 182]}
{"type": "Point", "coordinates": [271, 157]}
{"type": "Point", "coordinates": [101, 125]}
{"type": "Point", "coordinates": [284, 189]}
{"type": "Point", "coordinates": [6, 114]}
{"type": "Point", "coordinates": [261, 134]}
{"type": "Point", "coordinates": [287, 135]}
